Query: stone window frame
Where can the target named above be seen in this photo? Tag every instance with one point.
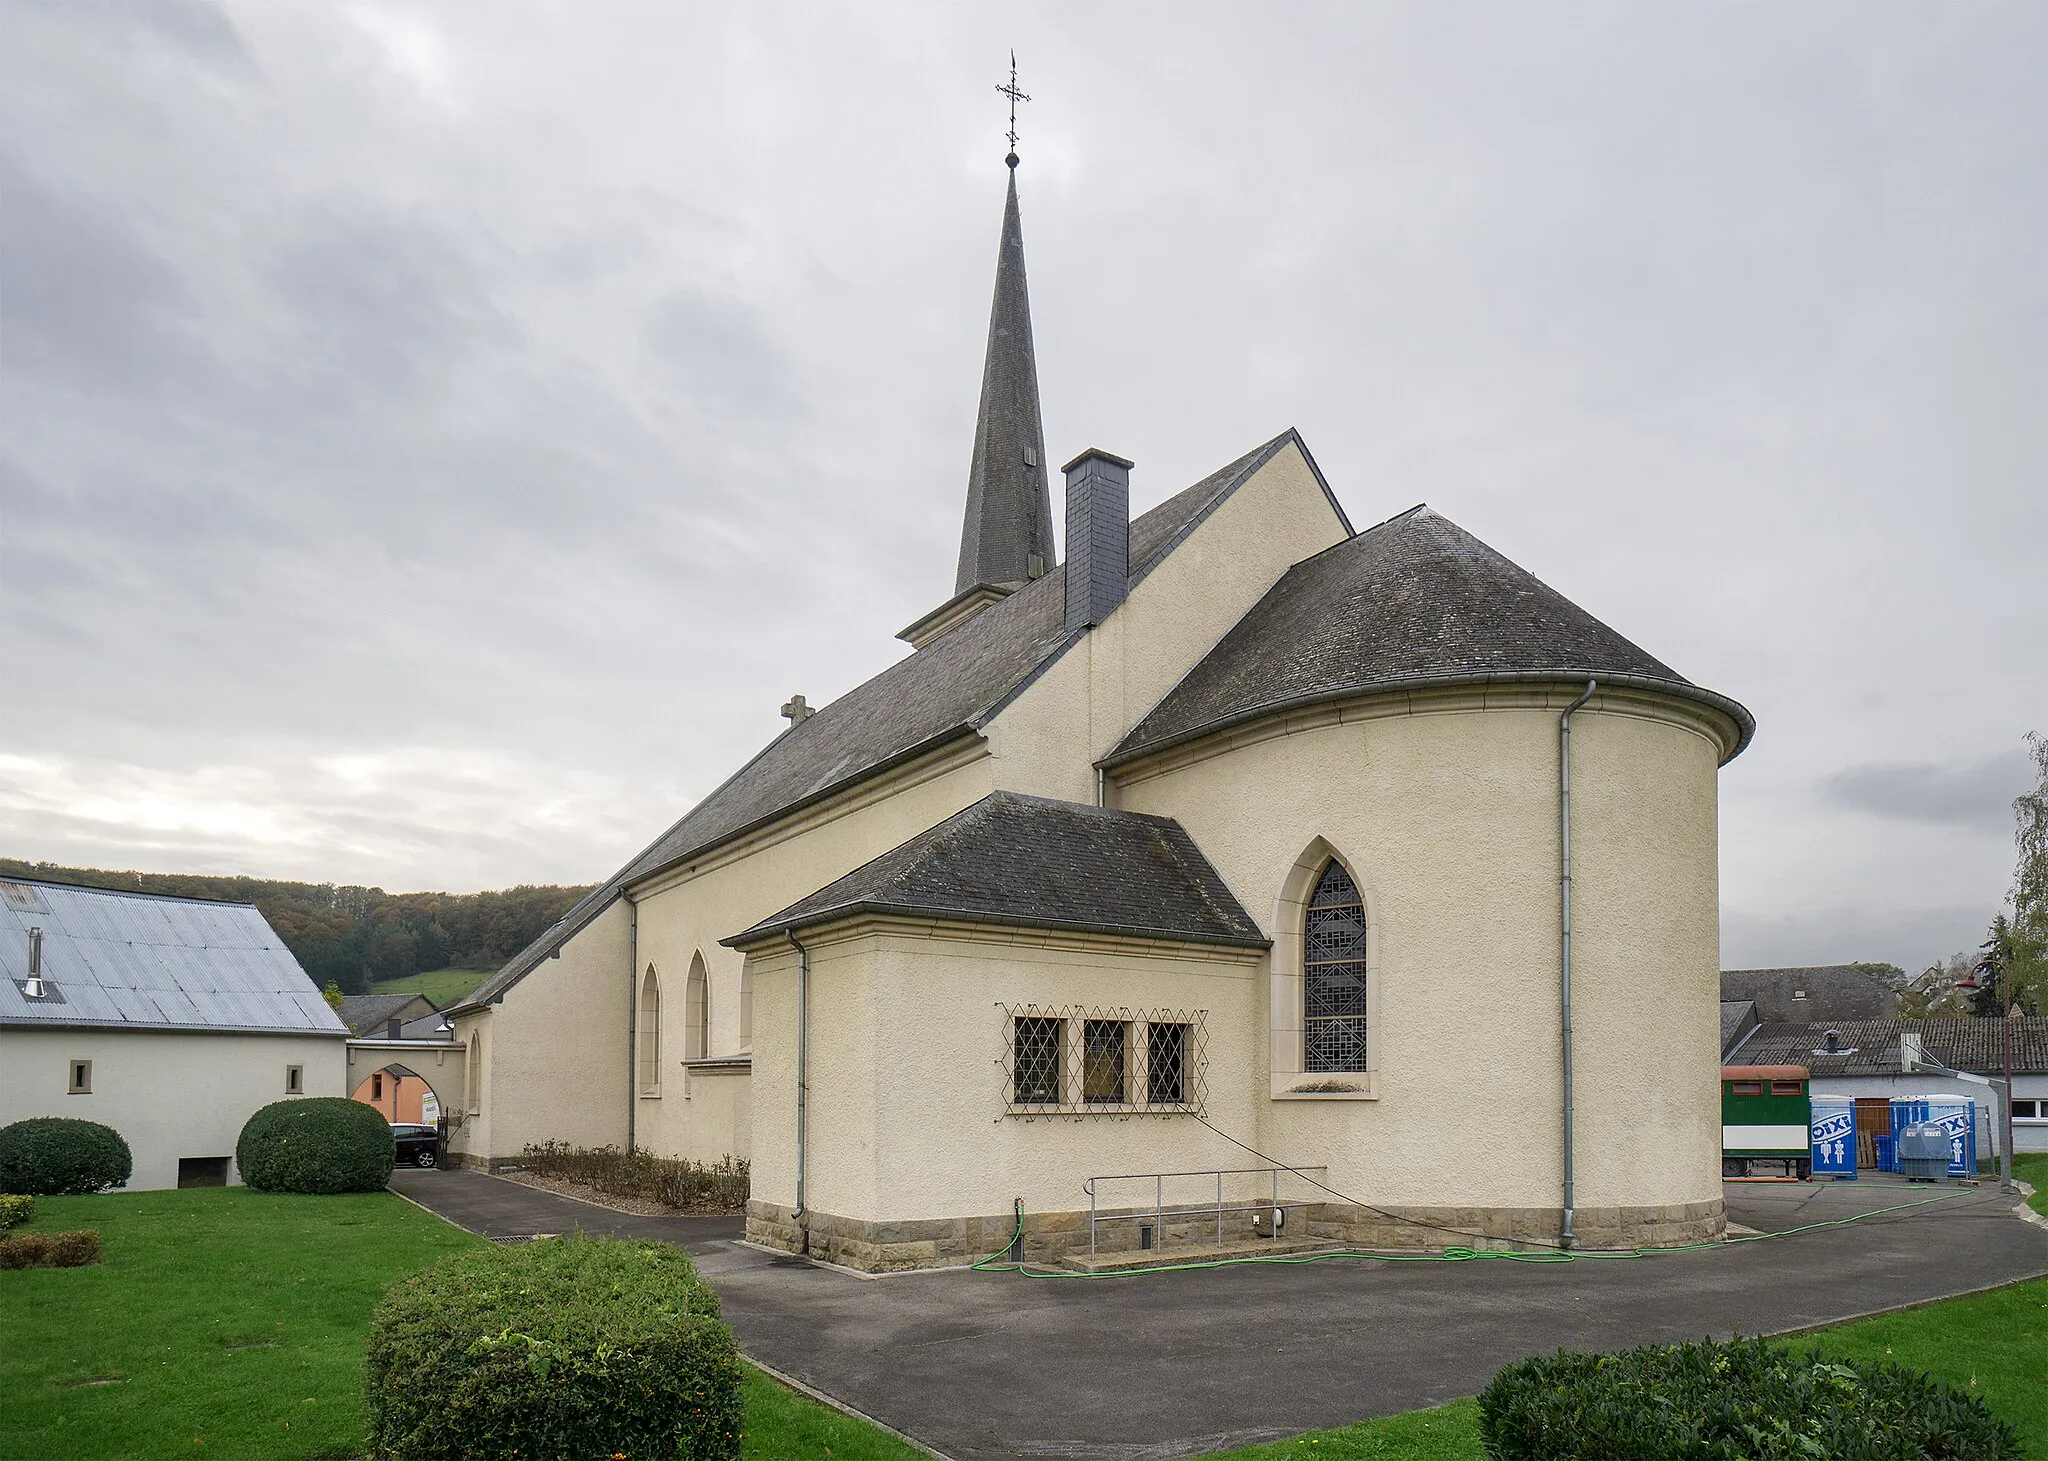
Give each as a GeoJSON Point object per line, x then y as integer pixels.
{"type": "Point", "coordinates": [647, 1036]}
{"type": "Point", "coordinates": [1288, 1080]}
{"type": "Point", "coordinates": [1074, 1101]}
{"type": "Point", "coordinates": [697, 1011]}
{"type": "Point", "coordinates": [295, 1080]}
{"type": "Point", "coordinates": [78, 1078]}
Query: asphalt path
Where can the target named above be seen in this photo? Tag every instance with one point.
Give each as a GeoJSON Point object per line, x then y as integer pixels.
{"type": "Point", "coordinates": [988, 1365]}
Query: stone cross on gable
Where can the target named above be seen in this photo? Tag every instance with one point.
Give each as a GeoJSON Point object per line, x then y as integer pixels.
{"type": "Point", "coordinates": [796, 711]}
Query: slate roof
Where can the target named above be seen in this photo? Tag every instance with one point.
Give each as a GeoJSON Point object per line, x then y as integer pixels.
{"type": "Point", "coordinates": [1738, 1017]}
{"type": "Point", "coordinates": [949, 689]}
{"type": "Point", "coordinates": [129, 960]}
{"type": "Point", "coordinates": [1871, 1047]}
{"type": "Point", "coordinates": [1834, 992]}
{"type": "Point", "coordinates": [1026, 860]}
{"type": "Point", "coordinates": [1009, 506]}
{"type": "Point", "coordinates": [370, 1014]}
{"type": "Point", "coordinates": [1415, 601]}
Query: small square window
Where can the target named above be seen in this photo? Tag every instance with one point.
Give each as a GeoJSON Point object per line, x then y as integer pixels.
{"type": "Point", "coordinates": [294, 1080]}
{"type": "Point", "coordinates": [81, 1078]}
{"type": "Point", "coordinates": [1036, 1060]}
{"type": "Point", "coordinates": [1103, 1044]}
{"type": "Point", "coordinates": [2026, 1110]}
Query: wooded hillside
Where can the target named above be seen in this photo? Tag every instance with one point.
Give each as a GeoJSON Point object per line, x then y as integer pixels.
{"type": "Point", "coordinates": [354, 936]}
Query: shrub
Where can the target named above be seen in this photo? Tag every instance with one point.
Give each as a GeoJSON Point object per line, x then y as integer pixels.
{"type": "Point", "coordinates": [316, 1144]}
{"type": "Point", "coordinates": [14, 1211]}
{"type": "Point", "coordinates": [57, 1156]}
{"type": "Point", "coordinates": [713, 1187]}
{"type": "Point", "coordinates": [50, 1250]}
{"type": "Point", "coordinates": [562, 1347]}
{"type": "Point", "coordinates": [1743, 1400]}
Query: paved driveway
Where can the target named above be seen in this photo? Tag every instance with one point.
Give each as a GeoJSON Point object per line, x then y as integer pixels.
{"type": "Point", "coordinates": [1171, 1365]}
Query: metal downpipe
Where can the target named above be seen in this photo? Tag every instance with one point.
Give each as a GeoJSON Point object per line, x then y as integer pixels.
{"type": "Point", "coordinates": [1564, 923]}
{"type": "Point", "coordinates": [803, 1089]}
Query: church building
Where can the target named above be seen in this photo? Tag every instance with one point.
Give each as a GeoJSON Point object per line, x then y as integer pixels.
{"type": "Point", "coordinates": [1242, 843]}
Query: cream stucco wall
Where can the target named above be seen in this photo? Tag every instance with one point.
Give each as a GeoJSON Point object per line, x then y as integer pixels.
{"type": "Point", "coordinates": [553, 1057]}
{"type": "Point", "coordinates": [907, 1107]}
{"type": "Point", "coordinates": [1444, 807]}
{"type": "Point", "coordinates": [170, 1094]}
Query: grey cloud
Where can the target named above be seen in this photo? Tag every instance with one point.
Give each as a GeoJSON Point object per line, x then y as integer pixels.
{"type": "Point", "coordinates": [82, 296]}
{"type": "Point", "coordinates": [1911, 937]}
{"type": "Point", "coordinates": [1975, 793]}
{"type": "Point", "coordinates": [719, 353]}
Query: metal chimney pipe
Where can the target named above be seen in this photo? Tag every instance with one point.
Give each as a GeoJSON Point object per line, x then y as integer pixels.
{"type": "Point", "coordinates": [34, 988]}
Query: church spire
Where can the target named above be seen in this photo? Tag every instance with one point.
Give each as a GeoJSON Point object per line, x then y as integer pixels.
{"type": "Point", "coordinates": [1007, 537]}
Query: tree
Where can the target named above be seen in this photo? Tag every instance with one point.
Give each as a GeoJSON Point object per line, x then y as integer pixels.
{"type": "Point", "coordinates": [2028, 951]}
{"type": "Point", "coordinates": [1934, 993]}
{"type": "Point", "coordinates": [333, 995]}
{"type": "Point", "coordinates": [1891, 976]}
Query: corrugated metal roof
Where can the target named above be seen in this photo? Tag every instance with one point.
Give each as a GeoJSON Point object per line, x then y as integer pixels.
{"type": "Point", "coordinates": [144, 961]}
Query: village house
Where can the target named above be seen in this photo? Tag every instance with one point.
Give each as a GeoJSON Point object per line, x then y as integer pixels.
{"type": "Point", "coordinates": [1233, 842]}
{"type": "Point", "coordinates": [172, 1020]}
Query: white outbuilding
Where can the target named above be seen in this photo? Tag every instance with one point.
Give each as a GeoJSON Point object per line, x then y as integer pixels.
{"type": "Point", "coordinates": [171, 1020]}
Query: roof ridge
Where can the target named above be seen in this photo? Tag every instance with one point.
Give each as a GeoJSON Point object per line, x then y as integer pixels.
{"type": "Point", "coordinates": [141, 892]}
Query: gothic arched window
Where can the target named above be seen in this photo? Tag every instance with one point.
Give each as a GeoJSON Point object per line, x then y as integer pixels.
{"type": "Point", "coordinates": [1333, 975]}
{"type": "Point", "coordinates": [697, 1013]}
{"type": "Point", "coordinates": [650, 1034]}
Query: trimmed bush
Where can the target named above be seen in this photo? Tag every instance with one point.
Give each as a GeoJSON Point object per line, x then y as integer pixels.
{"type": "Point", "coordinates": [677, 1182]}
{"type": "Point", "coordinates": [58, 1156]}
{"type": "Point", "coordinates": [1743, 1400]}
{"type": "Point", "coordinates": [561, 1347]}
{"type": "Point", "coordinates": [14, 1211]}
{"type": "Point", "coordinates": [316, 1144]}
{"type": "Point", "coordinates": [50, 1250]}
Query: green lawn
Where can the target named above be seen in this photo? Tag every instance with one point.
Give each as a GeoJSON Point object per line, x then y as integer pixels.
{"type": "Point", "coordinates": [1994, 1345]}
{"type": "Point", "coordinates": [231, 1323]}
{"type": "Point", "coordinates": [443, 986]}
{"type": "Point", "coordinates": [2032, 1169]}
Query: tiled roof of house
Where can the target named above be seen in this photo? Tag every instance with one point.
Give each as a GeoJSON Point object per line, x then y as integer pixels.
{"type": "Point", "coordinates": [127, 960]}
{"type": "Point", "coordinates": [1416, 601]}
{"type": "Point", "coordinates": [1871, 1047]}
{"type": "Point", "coordinates": [371, 1014]}
{"type": "Point", "coordinates": [1738, 1017]}
{"type": "Point", "coordinates": [1043, 864]}
{"type": "Point", "coordinates": [948, 689]}
{"type": "Point", "coordinates": [1814, 992]}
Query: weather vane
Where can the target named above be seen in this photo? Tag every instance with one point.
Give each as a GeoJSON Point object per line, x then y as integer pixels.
{"type": "Point", "coordinates": [1015, 96]}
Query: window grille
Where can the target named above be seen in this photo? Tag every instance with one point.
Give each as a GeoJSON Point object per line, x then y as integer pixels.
{"type": "Point", "coordinates": [1166, 1064]}
{"type": "Point", "coordinates": [1035, 1060]}
{"type": "Point", "coordinates": [1104, 1045]}
{"type": "Point", "coordinates": [1086, 1062]}
{"type": "Point", "coordinates": [1333, 975]}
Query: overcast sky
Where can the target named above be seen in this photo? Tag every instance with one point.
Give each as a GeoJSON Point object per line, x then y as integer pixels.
{"type": "Point", "coordinates": [434, 439]}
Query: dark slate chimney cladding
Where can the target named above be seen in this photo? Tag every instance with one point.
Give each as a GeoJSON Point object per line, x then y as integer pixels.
{"type": "Point", "coordinates": [1098, 536]}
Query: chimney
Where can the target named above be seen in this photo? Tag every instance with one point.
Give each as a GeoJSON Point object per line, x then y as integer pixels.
{"type": "Point", "coordinates": [392, 1028]}
{"type": "Point", "coordinates": [34, 987]}
{"type": "Point", "coordinates": [1098, 536]}
{"type": "Point", "coordinates": [1909, 1051]}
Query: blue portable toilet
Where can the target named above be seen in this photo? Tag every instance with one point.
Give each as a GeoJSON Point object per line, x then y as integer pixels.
{"type": "Point", "coordinates": [1955, 1115]}
{"type": "Point", "coordinates": [1833, 1132]}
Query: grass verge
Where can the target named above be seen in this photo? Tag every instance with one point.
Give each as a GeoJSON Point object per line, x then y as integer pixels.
{"type": "Point", "coordinates": [1993, 1345]}
{"type": "Point", "coordinates": [443, 986]}
{"type": "Point", "coordinates": [2032, 1169]}
{"type": "Point", "coordinates": [231, 1323]}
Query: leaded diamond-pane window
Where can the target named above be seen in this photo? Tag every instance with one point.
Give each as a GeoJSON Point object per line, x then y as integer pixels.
{"type": "Point", "coordinates": [1036, 1059]}
{"type": "Point", "coordinates": [1166, 1064]}
{"type": "Point", "coordinates": [1102, 1062]}
{"type": "Point", "coordinates": [1333, 975]}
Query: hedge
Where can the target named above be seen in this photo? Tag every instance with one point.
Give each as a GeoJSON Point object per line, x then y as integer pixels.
{"type": "Point", "coordinates": [50, 1250]}
{"type": "Point", "coordinates": [1743, 1400]}
{"type": "Point", "coordinates": [15, 1210]}
{"type": "Point", "coordinates": [562, 1347]}
{"type": "Point", "coordinates": [316, 1144]}
{"type": "Point", "coordinates": [58, 1156]}
{"type": "Point", "coordinates": [677, 1182]}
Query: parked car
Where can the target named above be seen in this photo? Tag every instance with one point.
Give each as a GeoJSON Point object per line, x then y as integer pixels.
{"type": "Point", "coordinates": [420, 1145]}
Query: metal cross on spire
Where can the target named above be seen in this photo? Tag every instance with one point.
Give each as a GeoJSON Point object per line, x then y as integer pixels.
{"type": "Point", "coordinates": [1015, 96]}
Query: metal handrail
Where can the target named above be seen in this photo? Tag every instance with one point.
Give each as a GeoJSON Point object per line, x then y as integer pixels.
{"type": "Point", "coordinates": [1158, 1212]}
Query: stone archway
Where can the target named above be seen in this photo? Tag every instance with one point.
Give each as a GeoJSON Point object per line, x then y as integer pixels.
{"type": "Point", "coordinates": [401, 1095]}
